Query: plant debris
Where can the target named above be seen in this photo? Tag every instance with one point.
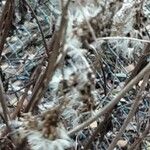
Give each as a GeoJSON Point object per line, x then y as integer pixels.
{"type": "Point", "coordinates": [65, 62]}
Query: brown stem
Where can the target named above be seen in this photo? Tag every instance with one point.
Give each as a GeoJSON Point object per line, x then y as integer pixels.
{"type": "Point", "coordinates": [4, 106]}
{"type": "Point", "coordinates": [6, 22]}
{"type": "Point", "coordinates": [54, 48]}
{"type": "Point", "coordinates": [19, 105]}
{"type": "Point", "coordinates": [139, 140]}
{"type": "Point", "coordinates": [111, 105]}
{"type": "Point", "coordinates": [131, 113]}
{"type": "Point", "coordinates": [141, 64]}
{"type": "Point", "coordinates": [39, 25]}
{"type": "Point", "coordinates": [102, 129]}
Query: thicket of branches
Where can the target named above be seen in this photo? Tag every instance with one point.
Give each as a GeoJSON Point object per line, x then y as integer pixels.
{"type": "Point", "coordinates": [81, 79]}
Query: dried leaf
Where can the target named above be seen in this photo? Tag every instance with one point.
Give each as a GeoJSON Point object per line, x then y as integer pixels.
{"type": "Point", "coordinates": [122, 143]}
{"type": "Point", "coordinates": [93, 125]}
{"type": "Point", "coordinates": [129, 68]}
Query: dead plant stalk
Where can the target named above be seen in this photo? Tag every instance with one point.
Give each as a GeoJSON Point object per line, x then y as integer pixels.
{"type": "Point", "coordinates": [4, 106]}
{"type": "Point", "coordinates": [110, 105]}
{"type": "Point", "coordinates": [139, 140]}
{"type": "Point", "coordinates": [131, 113]}
{"type": "Point", "coordinates": [39, 25]}
{"type": "Point", "coordinates": [45, 78]}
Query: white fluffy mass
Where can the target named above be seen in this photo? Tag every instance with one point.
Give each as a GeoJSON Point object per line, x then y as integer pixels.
{"type": "Point", "coordinates": [38, 142]}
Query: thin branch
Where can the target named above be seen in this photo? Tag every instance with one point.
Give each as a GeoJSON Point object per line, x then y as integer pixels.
{"type": "Point", "coordinates": [139, 140]}
{"type": "Point", "coordinates": [119, 38]}
{"type": "Point", "coordinates": [131, 113]}
{"type": "Point", "coordinates": [110, 105]}
{"type": "Point", "coordinates": [4, 106]}
{"type": "Point", "coordinates": [102, 129]}
{"type": "Point", "coordinates": [39, 25]}
{"type": "Point", "coordinates": [6, 22]}
{"type": "Point", "coordinates": [98, 56]}
{"type": "Point", "coordinates": [20, 103]}
{"type": "Point", "coordinates": [54, 47]}
{"type": "Point", "coordinates": [142, 62]}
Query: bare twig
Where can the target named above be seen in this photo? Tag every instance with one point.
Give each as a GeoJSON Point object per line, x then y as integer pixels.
{"type": "Point", "coordinates": [4, 106]}
{"type": "Point", "coordinates": [39, 25]}
{"type": "Point", "coordinates": [55, 45]}
{"type": "Point", "coordinates": [6, 22]}
{"type": "Point", "coordinates": [98, 56]}
{"type": "Point", "coordinates": [20, 103]}
{"type": "Point", "coordinates": [119, 38]}
{"type": "Point", "coordinates": [140, 64]}
{"type": "Point", "coordinates": [131, 113]}
{"type": "Point", "coordinates": [110, 105]}
{"type": "Point", "coordinates": [139, 140]}
{"type": "Point", "coordinates": [102, 129]}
